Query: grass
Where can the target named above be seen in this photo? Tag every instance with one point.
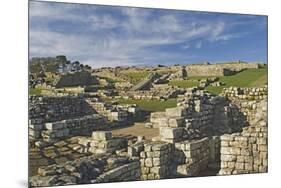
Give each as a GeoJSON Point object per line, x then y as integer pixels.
{"type": "Point", "coordinates": [136, 76]}
{"type": "Point", "coordinates": [190, 82]}
{"type": "Point", "coordinates": [35, 91]}
{"type": "Point", "coordinates": [151, 105]}
{"type": "Point", "coordinates": [184, 83]}
{"type": "Point", "coordinates": [246, 78]}
{"type": "Point", "coordinates": [110, 80]}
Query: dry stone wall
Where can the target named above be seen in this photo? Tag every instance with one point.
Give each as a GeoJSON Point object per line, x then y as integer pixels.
{"type": "Point", "coordinates": [218, 69]}
{"type": "Point", "coordinates": [55, 109]}
{"type": "Point", "coordinates": [246, 152]}
{"type": "Point", "coordinates": [73, 127]}
{"type": "Point", "coordinates": [204, 114]}
{"type": "Point", "coordinates": [155, 160]}
{"type": "Point", "coordinates": [49, 109]}
{"type": "Point", "coordinates": [245, 93]}
{"type": "Point", "coordinates": [192, 156]}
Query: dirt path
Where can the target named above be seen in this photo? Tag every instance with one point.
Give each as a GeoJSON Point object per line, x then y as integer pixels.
{"type": "Point", "coordinates": [137, 129]}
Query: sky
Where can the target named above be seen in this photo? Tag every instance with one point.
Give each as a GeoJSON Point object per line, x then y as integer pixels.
{"type": "Point", "coordinates": [104, 36]}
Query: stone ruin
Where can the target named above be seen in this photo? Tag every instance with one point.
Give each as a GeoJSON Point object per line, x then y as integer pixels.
{"type": "Point", "coordinates": [157, 92]}
{"type": "Point", "coordinates": [245, 93]}
{"type": "Point", "coordinates": [55, 118]}
{"type": "Point", "coordinates": [203, 135]}
{"type": "Point", "coordinates": [223, 69]}
{"type": "Point", "coordinates": [82, 78]}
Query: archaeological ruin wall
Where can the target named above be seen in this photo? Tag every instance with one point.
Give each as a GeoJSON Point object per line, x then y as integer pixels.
{"type": "Point", "coordinates": [204, 133]}
{"type": "Point", "coordinates": [218, 69]}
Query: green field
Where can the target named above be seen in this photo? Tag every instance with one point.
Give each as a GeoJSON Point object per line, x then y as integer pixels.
{"type": "Point", "coordinates": [246, 78]}
{"type": "Point", "coordinates": [184, 83]}
{"type": "Point", "coordinates": [151, 105]}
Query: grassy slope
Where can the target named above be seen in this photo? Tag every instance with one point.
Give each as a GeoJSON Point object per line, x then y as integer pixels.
{"type": "Point", "coordinates": [151, 105]}
{"type": "Point", "coordinates": [246, 78]}
{"type": "Point", "coordinates": [136, 76]}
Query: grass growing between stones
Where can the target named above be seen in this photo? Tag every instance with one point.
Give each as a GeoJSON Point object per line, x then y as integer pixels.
{"type": "Point", "coordinates": [246, 78]}
{"type": "Point", "coordinates": [151, 105]}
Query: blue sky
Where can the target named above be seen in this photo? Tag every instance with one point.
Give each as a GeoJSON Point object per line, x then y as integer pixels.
{"type": "Point", "coordinates": [122, 36]}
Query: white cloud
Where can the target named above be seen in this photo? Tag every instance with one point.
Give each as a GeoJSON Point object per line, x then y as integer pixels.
{"type": "Point", "coordinates": [103, 47]}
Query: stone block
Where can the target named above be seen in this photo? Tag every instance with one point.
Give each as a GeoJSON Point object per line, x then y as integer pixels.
{"type": "Point", "coordinates": [171, 133]}
{"type": "Point", "coordinates": [156, 161]}
{"type": "Point", "coordinates": [155, 170]}
{"type": "Point", "coordinates": [101, 135]}
{"type": "Point", "coordinates": [36, 127]}
{"type": "Point", "coordinates": [227, 137]}
{"type": "Point", "coordinates": [228, 158]}
{"type": "Point", "coordinates": [246, 152]}
{"type": "Point", "coordinates": [175, 112]}
{"type": "Point", "coordinates": [148, 162]}
{"type": "Point", "coordinates": [176, 122]}
{"type": "Point", "coordinates": [159, 146]}
{"type": "Point", "coordinates": [261, 141]}
{"type": "Point", "coordinates": [262, 147]}
{"type": "Point", "coordinates": [55, 125]}
{"type": "Point", "coordinates": [150, 176]}
{"type": "Point", "coordinates": [240, 166]}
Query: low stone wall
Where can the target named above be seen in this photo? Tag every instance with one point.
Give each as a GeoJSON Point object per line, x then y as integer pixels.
{"type": "Point", "coordinates": [218, 69]}
{"type": "Point", "coordinates": [127, 172]}
{"type": "Point", "coordinates": [245, 93]}
{"type": "Point", "coordinates": [155, 160]}
{"type": "Point", "coordinates": [49, 109]}
{"type": "Point", "coordinates": [72, 127]}
{"type": "Point", "coordinates": [205, 70]}
{"type": "Point", "coordinates": [87, 170]}
{"type": "Point", "coordinates": [192, 156]}
{"type": "Point", "coordinates": [102, 142]}
{"type": "Point", "coordinates": [118, 114]}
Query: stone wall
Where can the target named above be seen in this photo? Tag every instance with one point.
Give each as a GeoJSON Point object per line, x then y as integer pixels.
{"type": "Point", "coordinates": [87, 170]}
{"type": "Point", "coordinates": [55, 109]}
{"type": "Point", "coordinates": [206, 70]}
{"type": "Point", "coordinates": [245, 93]}
{"type": "Point", "coordinates": [85, 125]}
{"type": "Point", "coordinates": [243, 151]}
{"type": "Point", "coordinates": [246, 152]}
{"type": "Point", "coordinates": [127, 172]}
{"type": "Point", "coordinates": [155, 160]}
{"type": "Point", "coordinates": [160, 91]}
{"type": "Point", "coordinates": [102, 142]}
{"type": "Point", "coordinates": [49, 109]}
{"type": "Point", "coordinates": [218, 69]}
{"type": "Point", "coordinates": [192, 156]}
{"type": "Point", "coordinates": [204, 114]}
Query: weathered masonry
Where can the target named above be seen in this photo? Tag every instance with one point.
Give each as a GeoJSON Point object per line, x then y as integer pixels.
{"type": "Point", "coordinates": [218, 135]}
{"type": "Point", "coordinates": [218, 69]}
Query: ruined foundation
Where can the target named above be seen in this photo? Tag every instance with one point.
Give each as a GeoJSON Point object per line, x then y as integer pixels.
{"type": "Point", "coordinates": [203, 135]}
